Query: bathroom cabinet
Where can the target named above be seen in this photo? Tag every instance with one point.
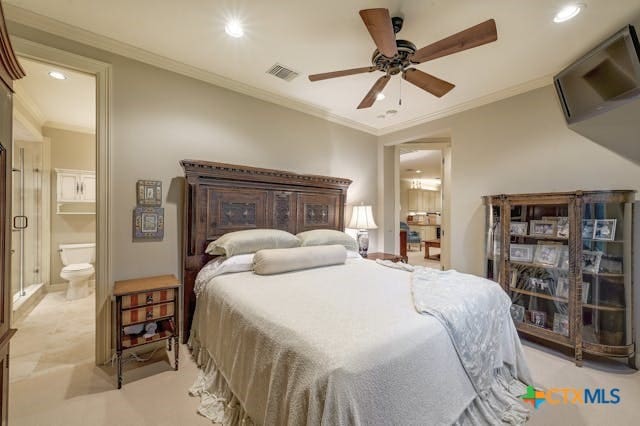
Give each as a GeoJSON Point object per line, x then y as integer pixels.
{"type": "Point", "coordinates": [76, 191]}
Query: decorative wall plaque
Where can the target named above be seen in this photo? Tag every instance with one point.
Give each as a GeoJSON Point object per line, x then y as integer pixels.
{"type": "Point", "coordinates": [149, 193]}
{"type": "Point", "coordinates": [148, 224]}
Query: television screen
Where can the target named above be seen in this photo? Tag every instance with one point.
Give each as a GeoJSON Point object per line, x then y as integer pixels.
{"type": "Point", "coordinates": [603, 79]}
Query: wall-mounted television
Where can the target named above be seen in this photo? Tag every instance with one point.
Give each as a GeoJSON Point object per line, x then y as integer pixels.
{"type": "Point", "coordinates": [604, 79]}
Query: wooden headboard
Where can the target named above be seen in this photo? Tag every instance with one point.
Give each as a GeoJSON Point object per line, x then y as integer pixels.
{"type": "Point", "coordinates": [221, 198]}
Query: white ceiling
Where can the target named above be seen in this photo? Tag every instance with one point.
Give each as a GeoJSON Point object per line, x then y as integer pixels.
{"type": "Point", "coordinates": [314, 37]}
{"type": "Point", "coordinates": [69, 103]}
{"type": "Point", "coordinates": [427, 161]}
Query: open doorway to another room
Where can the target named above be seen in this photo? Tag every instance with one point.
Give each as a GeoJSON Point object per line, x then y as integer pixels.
{"type": "Point", "coordinates": [421, 203]}
{"type": "Point", "coordinates": [54, 220]}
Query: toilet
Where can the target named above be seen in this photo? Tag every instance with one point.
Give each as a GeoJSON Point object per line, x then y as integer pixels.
{"type": "Point", "coordinates": [78, 262]}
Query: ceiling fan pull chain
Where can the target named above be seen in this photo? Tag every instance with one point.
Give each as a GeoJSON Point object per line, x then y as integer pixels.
{"type": "Point", "coordinates": [400, 97]}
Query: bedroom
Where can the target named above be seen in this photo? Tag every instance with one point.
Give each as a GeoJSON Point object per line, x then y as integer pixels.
{"type": "Point", "coordinates": [154, 100]}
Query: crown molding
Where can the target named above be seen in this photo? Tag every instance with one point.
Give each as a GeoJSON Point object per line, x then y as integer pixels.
{"type": "Point", "coordinates": [69, 127]}
{"type": "Point", "coordinates": [61, 29]}
{"type": "Point", "coordinates": [473, 103]}
{"type": "Point", "coordinates": [28, 104]}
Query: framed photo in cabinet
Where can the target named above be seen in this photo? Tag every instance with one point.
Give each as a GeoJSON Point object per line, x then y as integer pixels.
{"type": "Point", "coordinates": [591, 261]}
{"type": "Point", "coordinates": [543, 228]}
{"type": "Point", "coordinates": [587, 229]}
{"type": "Point", "coordinates": [521, 252]}
{"type": "Point", "coordinates": [561, 324]}
{"type": "Point", "coordinates": [604, 229]}
{"type": "Point", "coordinates": [548, 254]}
{"type": "Point", "coordinates": [517, 313]}
{"type": "Point", "coordinates": [518, 228]}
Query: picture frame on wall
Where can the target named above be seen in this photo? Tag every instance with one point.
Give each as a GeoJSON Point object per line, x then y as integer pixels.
{"type": "Point", "coordinates": [148, 224]}
{"type": "Point", "coordinates": [149, 193]}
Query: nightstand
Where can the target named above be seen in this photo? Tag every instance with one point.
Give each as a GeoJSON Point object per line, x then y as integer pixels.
{"type": "Point", "coordinates": [386, 256]}
{"type": "Point", "coordinates": [140, 302]}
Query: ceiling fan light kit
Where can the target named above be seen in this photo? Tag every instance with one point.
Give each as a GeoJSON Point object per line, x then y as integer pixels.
{"type": "Point", "coordinates": [394, 56]}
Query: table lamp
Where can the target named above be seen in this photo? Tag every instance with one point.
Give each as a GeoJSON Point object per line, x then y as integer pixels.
{"type": "Point", "coordinates": [362, 220]}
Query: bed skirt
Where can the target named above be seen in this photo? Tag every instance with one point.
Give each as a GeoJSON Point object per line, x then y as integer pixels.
{"type": "Point", "coordinates": [217, 401]}
{"type": "Point", "coordinates": [498, 406]}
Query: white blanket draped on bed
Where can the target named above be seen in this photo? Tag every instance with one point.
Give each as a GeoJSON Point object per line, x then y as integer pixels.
{"type": "Point", "coordinates": [338, 345]}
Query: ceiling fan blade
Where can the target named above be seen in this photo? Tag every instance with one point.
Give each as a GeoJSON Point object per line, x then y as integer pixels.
{"type": "Point", "coordinates": [378, 23]}
{"type": "Point", "coordinates": [471, 37]}
{"type": "Point", "coordinates": [334, 74]}
{"type": "Point", "coordinates": [427, 82]}
{"type": "Point", "coordinates": [378, 86]}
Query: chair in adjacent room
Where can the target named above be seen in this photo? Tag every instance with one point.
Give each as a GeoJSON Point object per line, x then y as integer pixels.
{"type": "Point", "coordinates": [413, 237]}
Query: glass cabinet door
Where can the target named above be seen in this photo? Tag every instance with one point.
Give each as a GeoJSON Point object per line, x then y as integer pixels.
{"type": "Point", "coordinates": [538, 268]}
{"type": "Point", "coordinates": [493, 238]}
{"type": "Point", "coordinates": [606, 273]}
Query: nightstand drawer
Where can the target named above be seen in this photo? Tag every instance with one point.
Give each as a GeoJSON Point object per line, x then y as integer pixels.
{"type": "Point", "coordinates": [150, 298]}
{"type": "Point", "coordinates": [147, 313]}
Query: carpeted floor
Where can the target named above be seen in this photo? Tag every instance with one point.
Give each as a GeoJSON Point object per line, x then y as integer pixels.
{"type": "Point", "coordinates": [65, 392]}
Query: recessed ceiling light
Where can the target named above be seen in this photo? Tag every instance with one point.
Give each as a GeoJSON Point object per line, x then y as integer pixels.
{"type": "Point", "coordinates": [418, 171]}
{"type": "Point", "coordinates": [568, 12]}
{"type": "Point", "coordinates": [392, 112]}
{"type": "Point", "coordinates": [234, 28]}
{"type": "Point", "coordinates": [380, 96]}
{"type": "Point", "coordinates": [57, 75]}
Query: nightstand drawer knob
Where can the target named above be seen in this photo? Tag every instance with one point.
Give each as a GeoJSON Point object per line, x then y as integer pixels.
{"type": "Point", "coordinates": [149, 314]}
{"type": "Point", "coordinates": [149, 298]}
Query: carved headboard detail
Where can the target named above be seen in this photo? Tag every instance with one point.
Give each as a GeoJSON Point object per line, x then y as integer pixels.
{"type": "Point", "coordinates": [221, 198]}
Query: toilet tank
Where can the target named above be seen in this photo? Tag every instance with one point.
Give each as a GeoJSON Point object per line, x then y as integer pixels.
{"type": "Point", "coordinates": [77, 253]}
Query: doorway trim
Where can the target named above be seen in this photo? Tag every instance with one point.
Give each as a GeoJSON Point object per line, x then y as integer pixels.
{"type": "Point", "coordinates": [102, 72]}
{"type": "Point", "coordinates": [444, 146]}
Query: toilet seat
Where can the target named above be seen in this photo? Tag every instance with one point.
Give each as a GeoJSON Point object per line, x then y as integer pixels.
{"type": "Point", "coordinates": [78, 267]}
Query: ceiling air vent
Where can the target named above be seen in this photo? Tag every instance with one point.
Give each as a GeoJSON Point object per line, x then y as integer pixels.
{"type": "Point", "coordinates": [282, 72]}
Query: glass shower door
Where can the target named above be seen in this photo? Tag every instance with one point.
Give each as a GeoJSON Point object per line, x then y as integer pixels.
{"type": "Point", "coordinates": [26, 243]}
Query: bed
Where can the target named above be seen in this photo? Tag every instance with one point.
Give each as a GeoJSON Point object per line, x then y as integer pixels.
{"type": "Point", "coordinates": [340, 344]}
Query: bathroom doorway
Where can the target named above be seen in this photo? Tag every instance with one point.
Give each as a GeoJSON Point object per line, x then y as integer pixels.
{"type": "Point", "coordinates": [54, 219]}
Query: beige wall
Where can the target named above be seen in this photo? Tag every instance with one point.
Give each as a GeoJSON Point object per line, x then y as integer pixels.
{"type": "Point", "coordinates": [160, 118]}
{"type": "Point", "coordinates": [77, 151]}
{"type": "Point", "coordinates": [520, 144]}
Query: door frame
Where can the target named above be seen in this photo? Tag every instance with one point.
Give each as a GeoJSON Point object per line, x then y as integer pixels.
{"type": "Point", "coordinates": [444, 146]}
{"type": "Point", "coordinates": [103, 74]}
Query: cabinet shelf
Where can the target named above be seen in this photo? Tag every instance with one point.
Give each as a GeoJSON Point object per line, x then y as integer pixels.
{"type": "Point", "coordinates": [540, 295]}
{"type": "Point", "coordinates": [599, 307]}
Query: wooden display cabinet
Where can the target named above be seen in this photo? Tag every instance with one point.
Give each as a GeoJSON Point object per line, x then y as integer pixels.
{"type": "Point", "coordinates": [565, 259]}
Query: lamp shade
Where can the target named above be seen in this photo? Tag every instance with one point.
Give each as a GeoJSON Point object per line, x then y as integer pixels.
{"type": "Point", "coordinates": [362, 218]}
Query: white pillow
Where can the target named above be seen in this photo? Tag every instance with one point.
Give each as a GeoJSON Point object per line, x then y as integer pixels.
{"type": "Point", "coordinates": [250, 241]}
{"type": "Point", "coordinates": [327, 237]}
{"type": "Point", "coordinates": [222, 265]}
{"type": "Point", "coordinates": [268, 262]}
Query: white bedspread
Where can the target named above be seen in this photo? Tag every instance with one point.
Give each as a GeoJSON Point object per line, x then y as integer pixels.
{"type": "Point", "coordinates": [335, 345]}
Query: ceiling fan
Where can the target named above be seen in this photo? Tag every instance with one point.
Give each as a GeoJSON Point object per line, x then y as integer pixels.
{"type": "Point", "coordinates": [397, 56]}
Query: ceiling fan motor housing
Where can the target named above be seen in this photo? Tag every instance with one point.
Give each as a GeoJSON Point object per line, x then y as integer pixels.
{"type": "Point", "coordinates": [399, 62]}
{"type": "Point", "coordinates": [397, 22]}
